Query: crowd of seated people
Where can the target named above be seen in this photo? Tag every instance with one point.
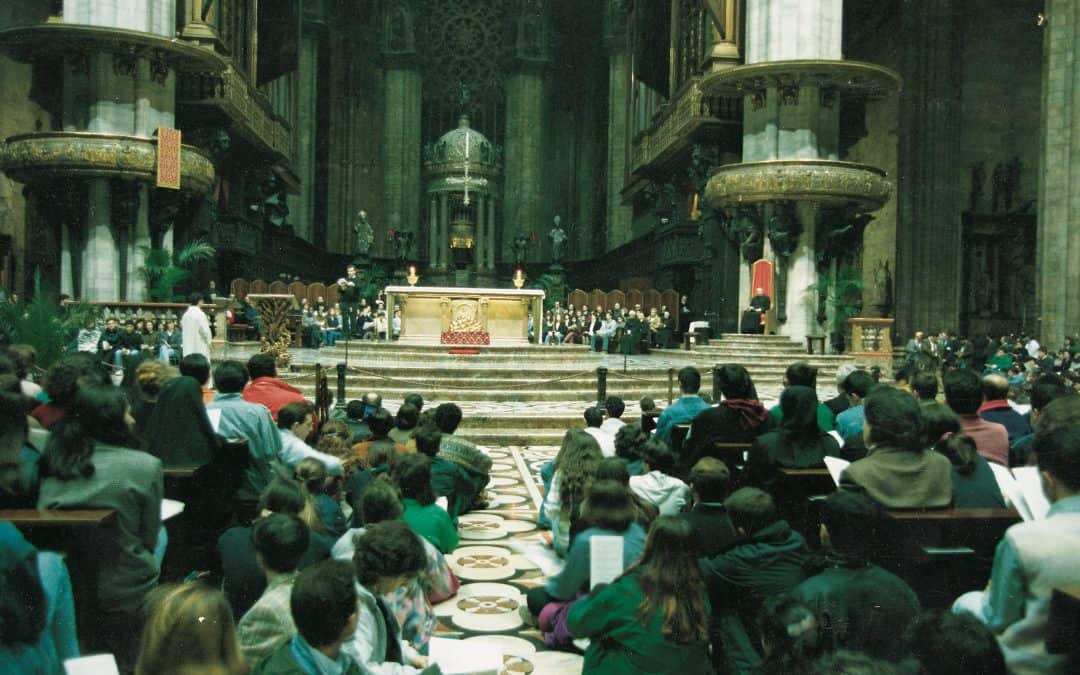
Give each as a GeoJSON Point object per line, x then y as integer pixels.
{"type": "Point", "coordinates": [767, 597]}
{"type": "Point", "coordinates": [334, 549]}
{"type": "Point", "coordinates": [1018, 357]}
{"type": "Point", "coordinates": [254, 523]}
{"type": "Point", "coordinates": [630, 329]}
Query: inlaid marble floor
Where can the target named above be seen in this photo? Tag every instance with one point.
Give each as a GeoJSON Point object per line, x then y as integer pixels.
{"type": "Point", "coordinates": [494, 577]}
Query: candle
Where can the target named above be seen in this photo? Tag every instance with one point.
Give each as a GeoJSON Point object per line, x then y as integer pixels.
{"type": "Point", "coordinates": [519, 274]}
{"type": "Point", "coordinates": [412, 270]}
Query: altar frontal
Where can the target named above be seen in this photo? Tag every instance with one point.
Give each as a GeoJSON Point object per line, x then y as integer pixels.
{"type": "Point", "coordinates": [437, 315]}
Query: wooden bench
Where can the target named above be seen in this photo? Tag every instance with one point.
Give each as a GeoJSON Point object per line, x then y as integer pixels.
{"type": "Point", "coordinates": [943, 553]}
{"type": "Point", "coordinates": [78, 535]}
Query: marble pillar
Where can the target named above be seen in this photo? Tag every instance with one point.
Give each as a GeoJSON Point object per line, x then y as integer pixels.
{"type": "Point", "coordinates": [1058, 253]}
{"type": "Point", "coordinates": [479, 243]}
{"type": "Point", "coordinates": [302, 217]}
{"type": "Point", "coordinates": [114, 94]}
{"type": "Point", "coordinates": [490, 247]}
{"type": "Point", "coordinates": [433, 232]}
{"type": "Point", "coordinates": [619, 216]}
{"type": "Point", "coordinates": [928, 247]}
{"type": "Point", "coordinates": [442, 243]}
{"type": "Point", "coordinates": [401, 146]}
{"type": "Point", "coordinates": [524, 139]}
{"type": "Point", "coordinates": [792, 124]}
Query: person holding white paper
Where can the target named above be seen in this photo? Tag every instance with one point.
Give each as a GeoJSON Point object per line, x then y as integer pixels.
{"type": "Point", "coordinates": [654, 618]}
{"type": "Point", "coordinates": [609, 511]}
{"type": "Point", "coordinates": [1036, 557]}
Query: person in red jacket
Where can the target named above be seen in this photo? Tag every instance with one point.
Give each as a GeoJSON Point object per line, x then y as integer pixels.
{"type": "Point", "coordinates": [266, 388]}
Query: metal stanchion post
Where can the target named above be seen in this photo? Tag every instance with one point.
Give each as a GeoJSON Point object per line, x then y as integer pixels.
{"type": "Point", "coordinates": [340, 386]}
{"type": "Point", "coordinates": [716, 383]}
{"type": "Point", "coordinates": [601, 385]}
{"type": "Point", "coordinates": [670, 385]}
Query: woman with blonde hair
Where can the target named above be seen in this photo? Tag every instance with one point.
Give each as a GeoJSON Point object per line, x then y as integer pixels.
{"type": "Point", "coordinates": [189, 629]}
{"type": "Point", "coordinates": [322, 514]}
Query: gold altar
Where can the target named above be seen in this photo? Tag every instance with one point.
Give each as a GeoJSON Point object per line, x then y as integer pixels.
{"type": "Point", "coordinates": [430, 312]}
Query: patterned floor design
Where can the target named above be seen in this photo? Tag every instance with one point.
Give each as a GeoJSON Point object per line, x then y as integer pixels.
{"type": "Point", "coordinates": [494, 577]}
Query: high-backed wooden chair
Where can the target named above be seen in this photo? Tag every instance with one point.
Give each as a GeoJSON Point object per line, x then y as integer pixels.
{"type": "Point", "coordinates": [315, 291]}
{"type": "Point", "coordinates": [635, 297]}
{"type": "Point", "coordinates": [578, 298]}
{"type": "Point", "coordinates": [279, 287]}
{"type": "Point", "coordinates": [616, 297]}
{"type": "Point", "coordinates": [598, 297]}
{"type": "Point", "coordinates": [299, 291]}
{"type": "Point", "coordinates": [763, 275]}
{"type": "Point", "coordinates": [258, 286]}
{"type": "Point", "coordinates": [239, 288]}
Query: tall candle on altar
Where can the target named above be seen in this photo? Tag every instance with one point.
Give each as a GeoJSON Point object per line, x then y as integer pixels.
{"type": "Point", "coordinates": [412, 270]}
{"type": "Point", "coordinates": [518, 274]}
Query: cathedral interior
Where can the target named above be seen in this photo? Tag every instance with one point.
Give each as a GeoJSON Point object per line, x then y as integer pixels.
{"type": "Point", "coordinates": [911, 159]}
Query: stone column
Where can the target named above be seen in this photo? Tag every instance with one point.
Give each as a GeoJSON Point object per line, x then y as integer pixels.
{"type": "Point", "coordinates": [443, 242]}
{"type": "Point", "coordinates": [401, 117]}
{"type": "Point", "coordinates": [1058, 257]}
{"type": "Point", "coordinates": [433, 232]}
{"type": "Point", "coordinates": [524, 138]}
{"type": "Point", "coordinates": [619, 216]}
{"type": "Point", "coordinates": [928, 247]}
{"type": "Point", "coordinates": [490, 248]}
{"type": "Point", "coordinates": [307, 81]}
{"type": "Point", "coordinates": [100, 256]}
{"type": "Point", "coordinates": [479, 245]}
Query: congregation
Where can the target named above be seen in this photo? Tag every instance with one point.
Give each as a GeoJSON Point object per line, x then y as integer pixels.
{"type": "Point", "coordinates": [319, 538]}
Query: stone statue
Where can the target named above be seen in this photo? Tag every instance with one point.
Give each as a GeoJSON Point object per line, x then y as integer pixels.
{"type": "Point", "coordinates": [784, 231]}
{"type": "Point", "coordinates": [401, 241]}
{"type": "Point", "coordinates": [521, 247]}
{"type": "Point", "coordinates": [558, 239]}
{"type": "Point", "coordinates": [744, 230]}
{"type": "Point", "coordinates": [365, 236]}
{"type": "Point", "coordinates": [882, 301]}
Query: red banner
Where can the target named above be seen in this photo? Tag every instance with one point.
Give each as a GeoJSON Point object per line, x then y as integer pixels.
{"type": "Point", "coordinates": [168, 158]}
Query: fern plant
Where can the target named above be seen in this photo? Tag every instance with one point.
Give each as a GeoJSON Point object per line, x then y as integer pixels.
{"type": "Point", "coordinates": [842, 292]}
{"type": "Point", "coordinates": [43, 323]}
{"type": "Point", "coordinates": [163, 273]}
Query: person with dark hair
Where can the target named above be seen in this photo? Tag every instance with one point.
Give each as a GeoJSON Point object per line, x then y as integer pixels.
{"type": "Point", "coordinates": [573, 471]}
{"type": "Point", "coordinates": [353, 416]}
{"type": "Point", "coordinates": [974, 485]}
{"type": "Point", "coordinates": [197, 366]}
{"type": "Point", "coordinates": [684, 410]}
{"type": "Point", "coordinates": [656, 484]}
{"type": "Point", "coordinates": [739, 418]}
{"type": "Point", "coordinates": [1036, 557]}
{"type": "Point", "coordinates": [294, 422]}
{"type": "Point", "coordinates": [1046, 389]}
{"type": "Point", "coordinates": [195, 328]}
{"type": "Point", "coordinates": [415, 400]}
{"type": "Point", "coordinates": [323, 608]}
{"type": "Point", "coordinates": [963, 393]}
{"type": "Point", "coordinates": [62, 383]}
{"type": "Point", "coordinates": [613, 468]}
{"type": "Point", "coordinates": [861, 606]}
{"type": "Point", "coordinates": [280, 541]}
{"type": "Point", "coordinates": [412, 603]}
{"type": "Point", "coordinates": [170, 343]}
{"type": "Point", "coordinates": [475, 462]}
{"type": "Point", "coordinates": [380, 422]}
{"type": "Point", "coordinates": [19, 459]}
{"type": "Point", "coordinates": [649, 414]}
{"type": "Point", "coordinates": [898, 471]}
{"type": "Point", "coordinates": [857, 386]}
{"type": "Point", "coordinates": [944, 643]}
{"type": "Point", "coordinates": [844, 662]}
{"type": "Point", "coordinates": [251, 421]}
{"type": "Point", "coordinates": [996, 408]}
{"type": "Point", "coordinates": [387, 555]}
{"type": "Point", "coordinates": [629, 442]}
{"type": "Point", "coordinates": [242, 579]}
{"type": "Point", "coordinates": [266, 388]}
{"type": "Point", "coordinates": [802, 374]}
{"type": "Point", "coordinates": [594, 420]}
{"type": "Point", "coordinates": [37, 611]}
{"type": "Point", "coordinates": [789, 635]}
{"type": "Point", "coordinates": [924, 385]}
{"type": "Point", "coordinates": [771, 559]}
{"type": "Point", "coordinates": [709, 483]}
{"type": "Point", "coordinates": [408, 415]}
{"type": "Point", "coordinates": [108, 346]}
{"type": "Point", "coordinates": [413, 476]}
{"type": "Point", "coordinates": [447, 478]}
{"type": "Point", "coordinates": [799, 443]}
{"type": "Point", "coordinates": [90, 463]}
{"type": "Point", "coordinates": [178, 430]}
{"type": "Point", "coordinates": [609, 510]}
{"type": "Point", "coordinates": [655, 616]}
{"type": "Point", "coordinates": [614, 408]}
{"type": "Point", "coordinates": [24, 357]}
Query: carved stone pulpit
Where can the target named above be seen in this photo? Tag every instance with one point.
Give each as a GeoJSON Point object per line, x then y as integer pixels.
{"type": "Point", "coordinates": [274, 311]}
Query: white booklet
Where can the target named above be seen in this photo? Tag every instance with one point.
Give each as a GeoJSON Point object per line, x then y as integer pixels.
{"type": "Point", "coordinates": [605, 559]}
{"type": "Point", "coordinates": [98, 664]}
{"type": "Point", "coordinates": [171, 508]}
{"type": "Point", "coordinates": [836, 466]}
{"type": "Point", "coordinates": [215, 417]}
{"type": "Point", "coordinates": [458, 657]}
{"type": "Point", "coordinates": [1010, 490]}
{"type": "Point", "coordinates": [1027, 477]}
